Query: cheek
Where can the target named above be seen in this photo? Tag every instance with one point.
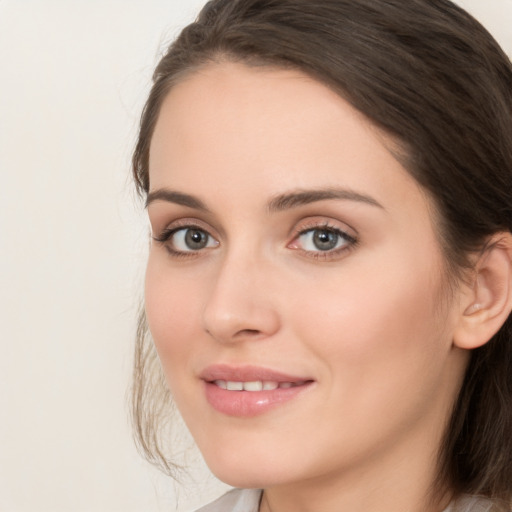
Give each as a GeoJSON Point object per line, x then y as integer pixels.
{"type": "Point", "coordinates": [378, 324]}
{"type": "Point", "coordinates": [172, 313]}
{"type": "Point", "coordinates": [384, 356]}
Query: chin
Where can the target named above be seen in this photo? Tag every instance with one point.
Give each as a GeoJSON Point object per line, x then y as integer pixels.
{"type": "Point", "coordinates": [246, 479]}
{"type": "Point", "coordinates": [244, 471]}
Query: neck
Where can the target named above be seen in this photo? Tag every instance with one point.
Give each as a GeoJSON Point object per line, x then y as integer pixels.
{"type": "Point", "coordinates": [398, 484]}
{"type": "Point", "coordinates": [314, 499]}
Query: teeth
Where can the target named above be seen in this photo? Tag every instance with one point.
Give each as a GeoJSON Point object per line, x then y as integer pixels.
{"type": "Point", "coordinates": [235, 386]}
{"type": "Point", "coordinates": [253, 386]}
{"type": "Point", "coordinates": [256, 385]}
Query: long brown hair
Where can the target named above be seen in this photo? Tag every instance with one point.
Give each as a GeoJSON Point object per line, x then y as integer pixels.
{"type": "Point", "coordinates": [432, 77]}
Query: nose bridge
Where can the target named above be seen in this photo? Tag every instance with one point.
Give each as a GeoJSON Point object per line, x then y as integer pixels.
{"type": "Point", "coordinates": [239, 304]}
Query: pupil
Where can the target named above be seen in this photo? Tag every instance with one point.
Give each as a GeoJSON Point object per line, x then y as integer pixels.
{"type": "Point", "coordinates": [325, 240]}
{"type": "Point", "coordinates": [195, 239]}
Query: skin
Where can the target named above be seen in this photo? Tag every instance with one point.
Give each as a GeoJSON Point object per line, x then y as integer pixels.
{"type": "Point", "coordinates": [370, 322]}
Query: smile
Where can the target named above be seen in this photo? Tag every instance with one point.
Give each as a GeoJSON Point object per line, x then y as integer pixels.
{"type": "Point", "coordinates": [256, 385]}
{"type": "Point", "coordinates": [248, 391]}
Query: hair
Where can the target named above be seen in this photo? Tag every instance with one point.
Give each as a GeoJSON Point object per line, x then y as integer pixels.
{"type": "Point", "coordinates": [430, 76]}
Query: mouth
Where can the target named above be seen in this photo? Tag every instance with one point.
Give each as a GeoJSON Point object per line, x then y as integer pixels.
{"type": "Point", "coordinates": [249, 391]}
{"type": "Point", "coordinates": [256, 385]}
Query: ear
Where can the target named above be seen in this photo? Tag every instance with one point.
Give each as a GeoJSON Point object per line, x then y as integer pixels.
{"type": "Point", "coordinates": [488, 302]}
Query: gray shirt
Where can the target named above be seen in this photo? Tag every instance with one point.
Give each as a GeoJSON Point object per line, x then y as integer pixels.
{"type": "Point", "coordinates": [248, 500]}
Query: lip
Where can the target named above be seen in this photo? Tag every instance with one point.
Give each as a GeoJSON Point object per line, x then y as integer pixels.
{"type": "Point", "coordinates": [247, 373]}
{"type": "Point", "coordinates": [250, 403]}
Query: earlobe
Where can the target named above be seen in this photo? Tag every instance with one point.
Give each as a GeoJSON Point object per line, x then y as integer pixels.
{"type": "Point", "coordinates": [489, 302]}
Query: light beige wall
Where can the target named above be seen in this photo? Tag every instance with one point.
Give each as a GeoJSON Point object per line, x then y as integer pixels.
{"type": "Point", "coordinates": [73, 76]}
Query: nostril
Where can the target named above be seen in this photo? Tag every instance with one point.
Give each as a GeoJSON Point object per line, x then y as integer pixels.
{"type": "Point", "coordinates": [248, 332]}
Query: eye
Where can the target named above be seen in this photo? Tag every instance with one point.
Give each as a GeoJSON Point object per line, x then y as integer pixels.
{"type": "Point", "coordinates": [323, 240]}
{"type": "Point", "coordinates": [186, 240]}
{"type": "Point", "coordinates": [191, 239]}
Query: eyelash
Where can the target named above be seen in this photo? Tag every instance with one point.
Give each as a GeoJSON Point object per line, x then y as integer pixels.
{"type": "Point", "coordinates": [332, 254]}
{"type": "Point", "coordinates": [351, 241]}
{"type": "Point", "coordinates": [167, 233]}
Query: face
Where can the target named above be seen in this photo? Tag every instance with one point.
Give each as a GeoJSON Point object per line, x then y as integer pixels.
{"type": "Point", "coordinates": [295, 285]}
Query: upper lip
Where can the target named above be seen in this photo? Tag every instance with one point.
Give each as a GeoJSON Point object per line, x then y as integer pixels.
{"type": "Point", "coordinates": [247, 374]}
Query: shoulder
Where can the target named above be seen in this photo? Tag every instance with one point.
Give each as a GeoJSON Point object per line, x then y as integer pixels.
{"type": "Point", "coordinates": [472, 504]}
{"type": "Point", "coordinates": [248, 500]}
{"type": "Point", "coordinates": [237, 500]}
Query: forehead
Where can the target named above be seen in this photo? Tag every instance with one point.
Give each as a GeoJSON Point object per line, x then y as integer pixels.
{"type": "Point", "coordinates": [241, 102]}
{"type": "Point", "coordinates": [267, 129]}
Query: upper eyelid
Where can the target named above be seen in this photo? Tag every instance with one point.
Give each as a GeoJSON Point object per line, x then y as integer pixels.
{"type": "Point", "coordinates": [321, 222]}
{"type": "Point", "coordinates": [337, 230]}
{"type": "Point", "coordinates": [186, 222]}
{"type": "Point", "coordinates": [351, 240]}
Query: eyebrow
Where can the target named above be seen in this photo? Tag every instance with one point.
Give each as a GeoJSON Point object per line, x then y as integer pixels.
{"type": "Point", "coordinates": [277, 204]}
{"type": "Point", "coordinates": [304, 197]}
{"type": "Point", "coordinates": [171, 196]}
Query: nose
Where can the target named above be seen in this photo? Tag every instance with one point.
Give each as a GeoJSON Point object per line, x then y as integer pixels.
{"type": "Point", "coordinates": [240, 305]}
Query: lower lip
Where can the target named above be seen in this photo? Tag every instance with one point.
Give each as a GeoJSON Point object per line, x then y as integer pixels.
{"type": "Point", "coordinates": [250, 403]}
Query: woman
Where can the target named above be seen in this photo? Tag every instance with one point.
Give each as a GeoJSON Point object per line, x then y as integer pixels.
{"type": "Point", "coordinates": [329, 281]}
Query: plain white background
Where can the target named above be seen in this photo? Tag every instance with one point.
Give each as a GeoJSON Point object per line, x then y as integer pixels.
{"type": "Point", "coordinates": [73, 78]}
